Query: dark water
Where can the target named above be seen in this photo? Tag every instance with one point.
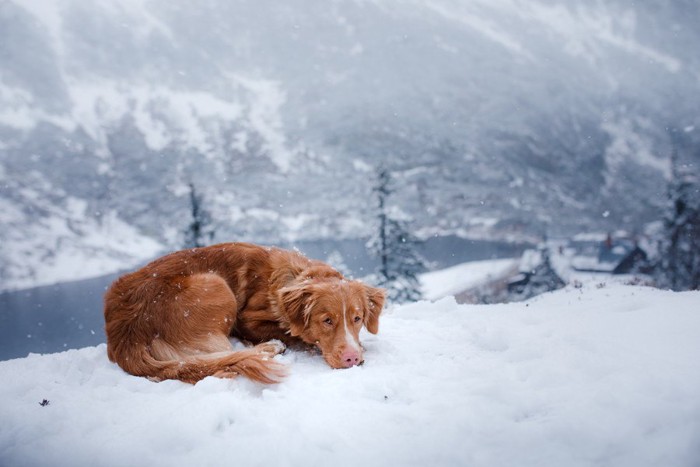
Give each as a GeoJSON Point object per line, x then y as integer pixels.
{"type": "Point", "coordinates": [52, 318]}
{"type": "Point", "coordinates": [441, 252]}
{"type": "Point", "coordinates": [69, 315]}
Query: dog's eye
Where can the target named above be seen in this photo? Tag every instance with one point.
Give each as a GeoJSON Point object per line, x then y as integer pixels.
{"type": "Point", "coordinates": [357, 319]}
{"type": "Point", "coordinates": [328, 321]}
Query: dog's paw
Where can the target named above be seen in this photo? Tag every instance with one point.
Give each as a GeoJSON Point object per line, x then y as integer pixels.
{"type": "Point", "coordinates": [273, 347]}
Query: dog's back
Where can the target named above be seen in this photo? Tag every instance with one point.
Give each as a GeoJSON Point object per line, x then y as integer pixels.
{"type": "Point", "coordinates": [172, 318]}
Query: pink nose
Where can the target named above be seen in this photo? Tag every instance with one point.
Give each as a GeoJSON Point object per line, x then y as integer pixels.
{"type": "Point", "coordinates": [350, 358]}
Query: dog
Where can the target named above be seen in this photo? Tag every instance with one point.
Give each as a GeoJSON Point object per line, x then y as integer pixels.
{"type": "Point", "coordinates": [172, 318]}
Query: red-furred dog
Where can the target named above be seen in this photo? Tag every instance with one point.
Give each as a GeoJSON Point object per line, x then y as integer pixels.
{"type": "Point", "coordinates": [172, 318]}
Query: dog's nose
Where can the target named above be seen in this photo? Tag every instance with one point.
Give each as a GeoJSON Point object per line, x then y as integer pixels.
{"type": "Point", "coordinates": [350, 358]}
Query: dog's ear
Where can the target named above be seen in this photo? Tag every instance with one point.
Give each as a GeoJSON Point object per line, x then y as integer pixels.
{"type": "Point", "coordinates": [375, 298]}
{"type": "Point", "coordinates": [296, 302]}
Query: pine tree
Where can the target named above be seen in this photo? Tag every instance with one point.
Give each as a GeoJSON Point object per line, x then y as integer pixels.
{"type": "Point", "coordinates": [678, 267]}
{"type": "Point", "coordinates": [200, 231]}
{"type": "Point", "coordinates": [540, 279]}
{"type": "Point", "coordinates": [395, 247]}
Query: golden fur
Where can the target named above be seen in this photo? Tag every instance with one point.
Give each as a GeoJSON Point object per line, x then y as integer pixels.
{"type": "Point", "coordinates": [172, 318]}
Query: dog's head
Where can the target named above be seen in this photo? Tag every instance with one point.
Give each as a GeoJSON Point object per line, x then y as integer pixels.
{"type": "Point", "coordinates": [329, 314]}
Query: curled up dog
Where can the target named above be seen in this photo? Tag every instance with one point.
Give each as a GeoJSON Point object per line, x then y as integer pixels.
{"type": "Point", "coordinates": [172, 318]}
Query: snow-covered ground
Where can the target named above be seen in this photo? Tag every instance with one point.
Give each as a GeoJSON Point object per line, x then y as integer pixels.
{"type": "Point", "coordinates": [597, 375]}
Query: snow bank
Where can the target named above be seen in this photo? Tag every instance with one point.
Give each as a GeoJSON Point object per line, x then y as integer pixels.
{"type": "Point", "coordinates": [450, 281]}
{"type": "Point", "coordinates": [590, 376]}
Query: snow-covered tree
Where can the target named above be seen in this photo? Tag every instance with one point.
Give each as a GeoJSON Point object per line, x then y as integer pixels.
{"type": "Point", "coordinates": [200, 231]}
{"type": "Point", "coordinates": [537, 276]}
{"type": "Point", "coordinates": [678, 266]}
{"type": "Point", "coordinates": [395, 247]}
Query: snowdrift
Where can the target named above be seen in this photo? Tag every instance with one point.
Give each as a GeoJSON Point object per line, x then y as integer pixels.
{"type": "Point", "coordinates": [600, 375]}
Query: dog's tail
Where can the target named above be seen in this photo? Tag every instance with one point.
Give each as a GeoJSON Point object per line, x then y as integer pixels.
{"type": "Point", "coordinates": [255, 363]}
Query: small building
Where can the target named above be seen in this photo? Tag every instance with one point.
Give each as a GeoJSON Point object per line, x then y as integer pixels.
{"type": "Point", "coordinates": [607, 254]}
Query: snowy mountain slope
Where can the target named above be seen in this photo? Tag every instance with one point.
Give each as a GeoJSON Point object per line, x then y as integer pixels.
{"type": "Point", "coordinates": [498, 116]}
{"type": "Point", "coordinates": [46, 243]}
{"type": "Point", "coordinates": [591, 376]}
{"type": "Point", "coordinates": [69, 245]}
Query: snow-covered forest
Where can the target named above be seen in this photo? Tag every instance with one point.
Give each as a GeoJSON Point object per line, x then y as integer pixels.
{"type": "Point", "coordinates": [523, 177]}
